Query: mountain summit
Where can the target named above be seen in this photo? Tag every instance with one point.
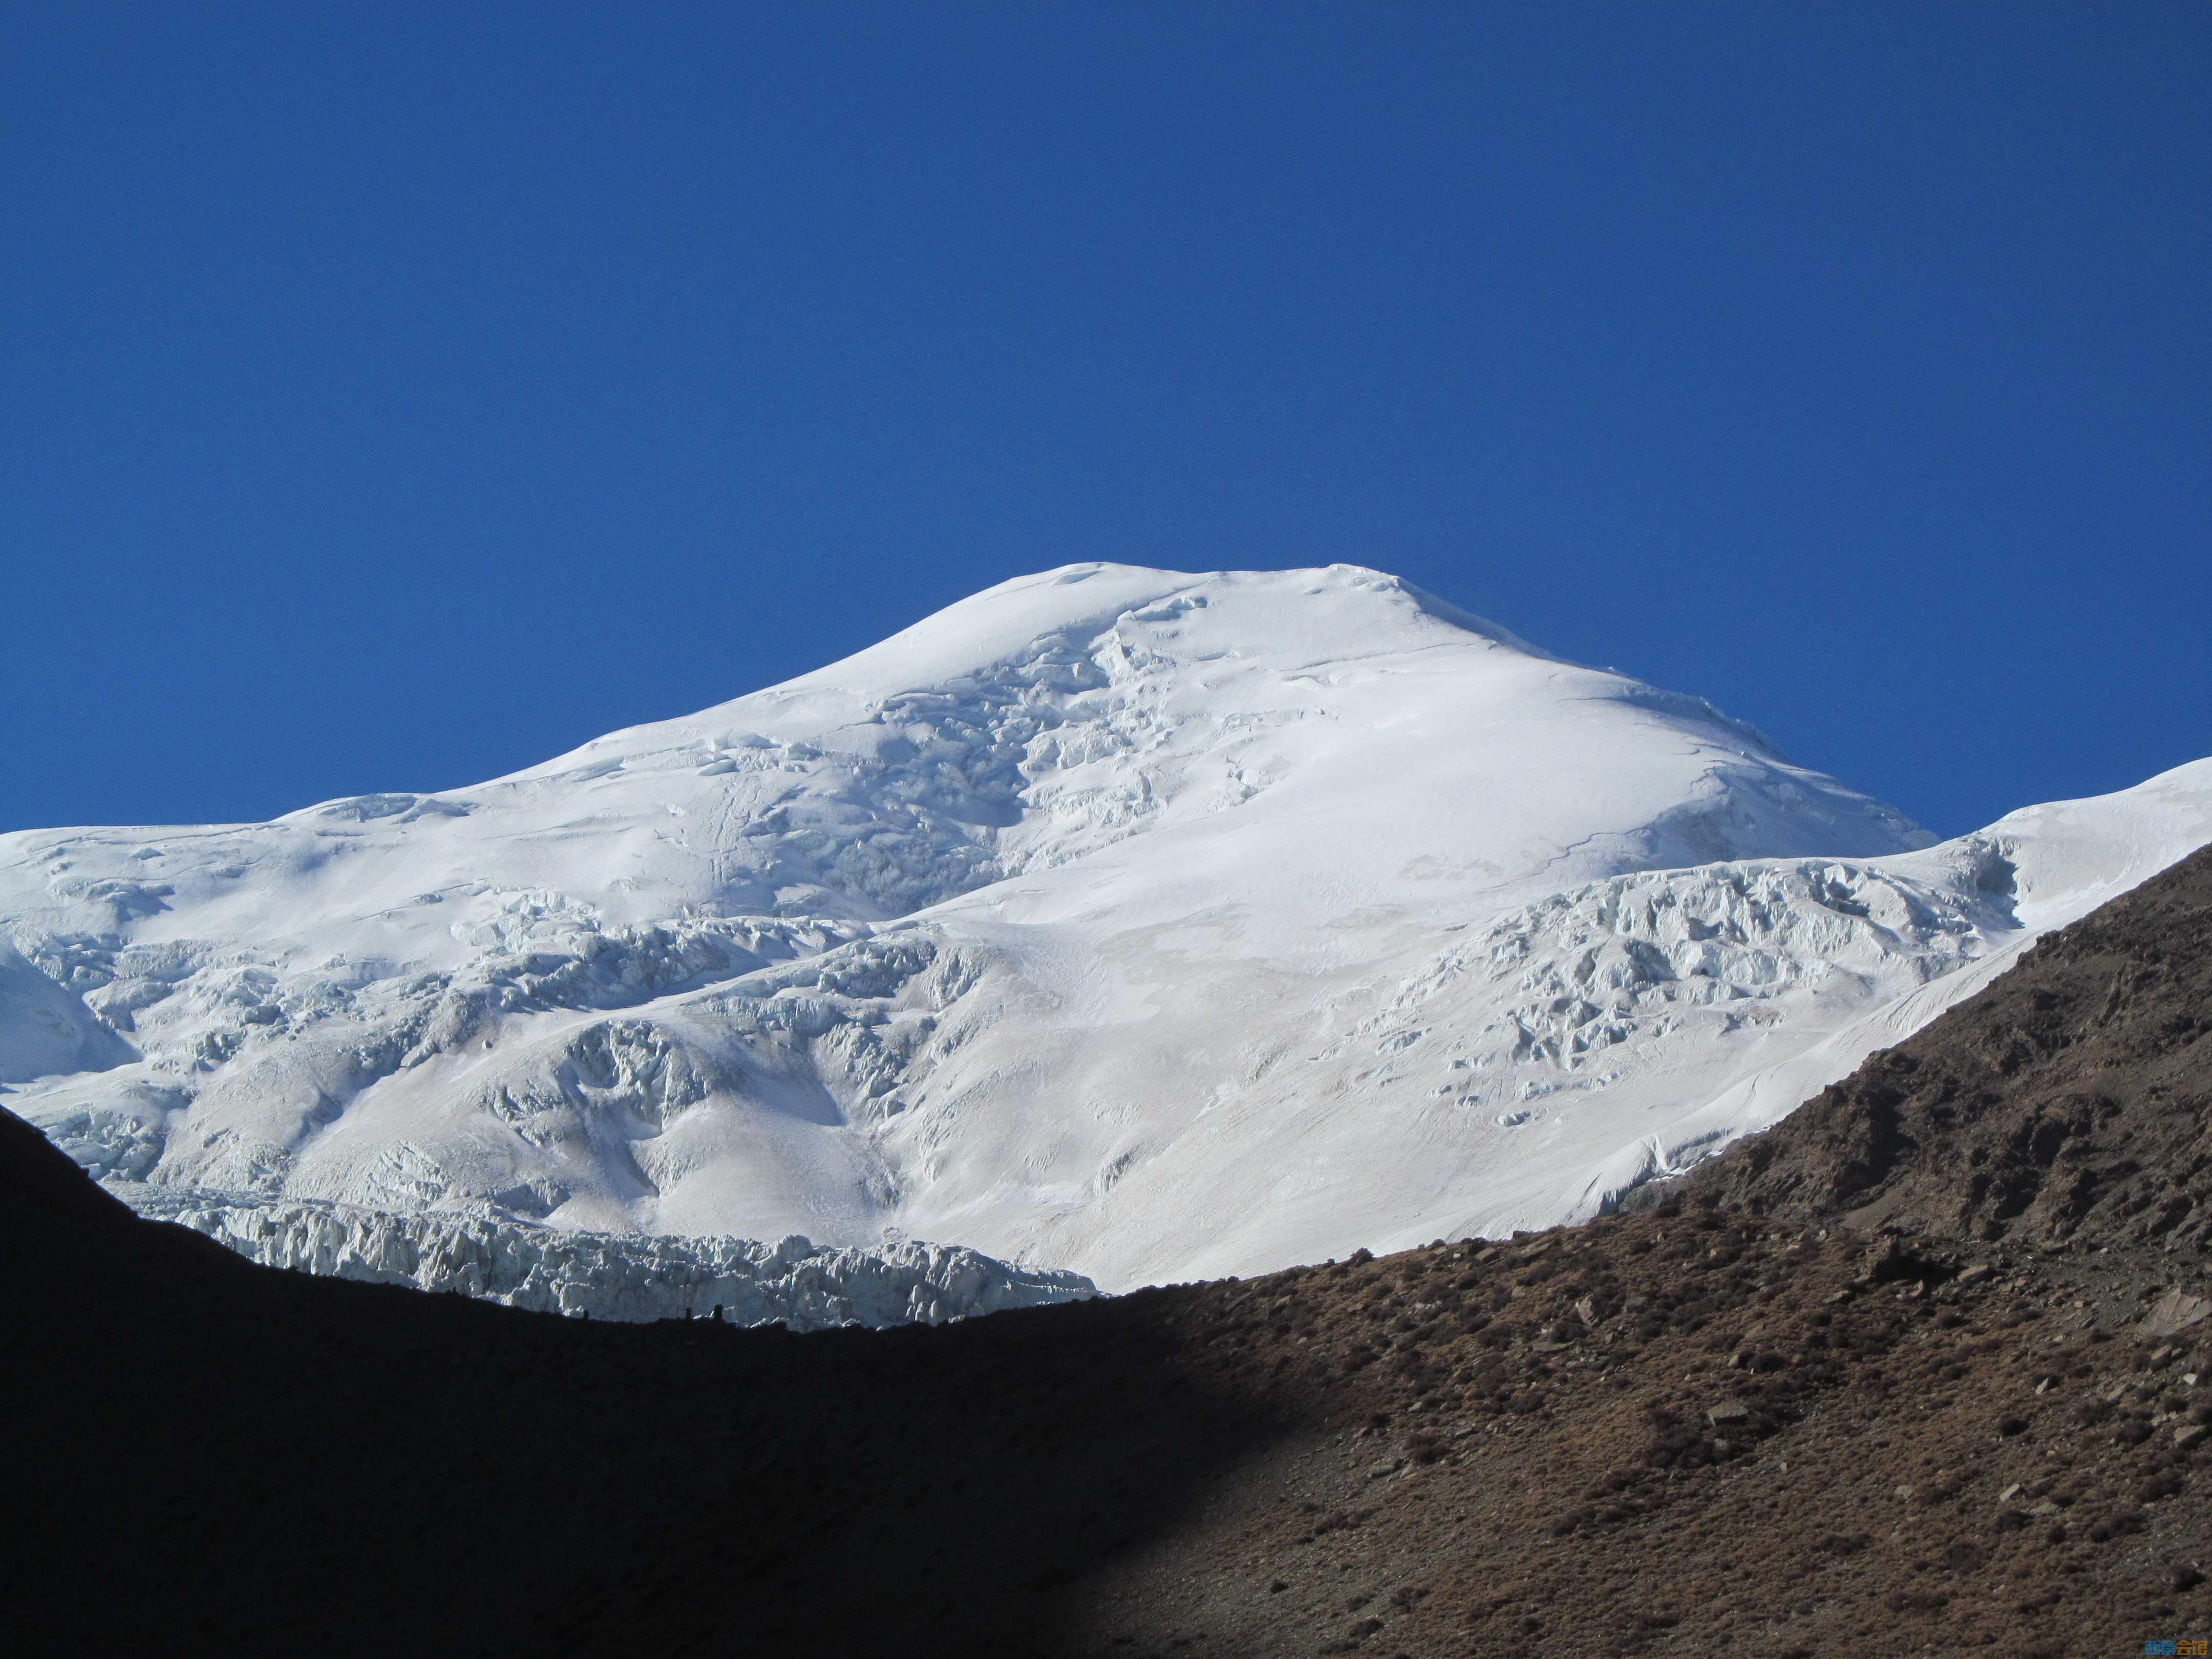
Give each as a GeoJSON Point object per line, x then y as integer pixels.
{"type": "Point", "coordinates": [1131, 921]}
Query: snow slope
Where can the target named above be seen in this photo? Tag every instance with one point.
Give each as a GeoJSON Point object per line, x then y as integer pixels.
{"type": "Point", "coordinates": [1147, 923]}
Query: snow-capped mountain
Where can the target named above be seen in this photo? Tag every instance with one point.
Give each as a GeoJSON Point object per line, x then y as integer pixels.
{"type": "Point", "coordinates": [1140, 923]}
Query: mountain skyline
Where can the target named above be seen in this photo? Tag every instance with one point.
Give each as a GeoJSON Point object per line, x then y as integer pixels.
{"type": "Point", "coordinates": [1107, 831]}
{"type": "Point", "coordinates": [1141, 923]}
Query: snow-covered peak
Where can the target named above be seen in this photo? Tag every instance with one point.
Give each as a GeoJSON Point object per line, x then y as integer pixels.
{"type": "Point", "coordinates": [1292, 617]}
{"type": "Point", "coordinates": [1030, 725]}
{"type": "Point", "coordinates": [1134, 921]}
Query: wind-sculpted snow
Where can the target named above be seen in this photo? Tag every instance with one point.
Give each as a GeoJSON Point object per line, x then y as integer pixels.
{"type": "Point", "coordinates": [1145, 923]}
{"type": "Point", "coordinates": [792, 1282]}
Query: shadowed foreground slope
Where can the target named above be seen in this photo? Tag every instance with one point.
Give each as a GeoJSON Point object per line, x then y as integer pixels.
{"type": "Point", "coordinates": [207, 1451]}
{"type": "Point", "coordinates": [1730, 1424]}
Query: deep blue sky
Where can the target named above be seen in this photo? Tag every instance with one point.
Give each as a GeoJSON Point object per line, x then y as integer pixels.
{"type": "Point", "coordinates": [396, 395]}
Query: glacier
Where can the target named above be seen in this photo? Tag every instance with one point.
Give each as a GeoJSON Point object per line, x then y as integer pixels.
{"type": "Point", "coordinates": [792, 1282]}
{"type": "Point", "coordinates": [1139, 925]}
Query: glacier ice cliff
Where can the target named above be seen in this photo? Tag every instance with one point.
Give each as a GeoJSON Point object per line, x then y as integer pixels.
{"type": "Point", "coordinates": [791, 1282]}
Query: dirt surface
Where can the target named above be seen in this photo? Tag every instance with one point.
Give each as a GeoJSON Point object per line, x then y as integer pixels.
{"type": "Point", "coordinates": [1973, 1417]}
